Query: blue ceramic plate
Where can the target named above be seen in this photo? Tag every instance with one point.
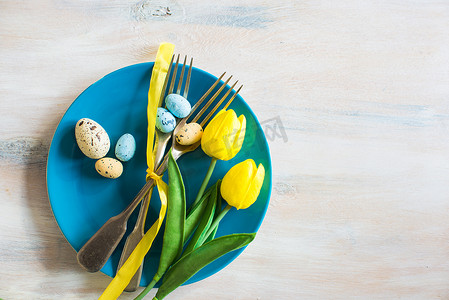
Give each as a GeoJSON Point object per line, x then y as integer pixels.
{"type": "Point", "coordinates": [82, 200]}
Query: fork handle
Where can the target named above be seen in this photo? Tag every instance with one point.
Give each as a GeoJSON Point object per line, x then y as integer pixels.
{"type": "Point", "coordinates": [95, 253]}
{"type": "Point", "coordinates": [97, 250]}
{"type": "Point", "coordinates": [131, 242]}
{"type": "Point", "coordinates": [138, 232]}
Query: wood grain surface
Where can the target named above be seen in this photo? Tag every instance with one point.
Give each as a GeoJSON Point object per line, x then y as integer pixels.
{"type": "Point", "coordinates": [354, 99]}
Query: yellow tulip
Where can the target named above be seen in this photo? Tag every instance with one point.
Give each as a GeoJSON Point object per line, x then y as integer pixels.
{"type": "Point", "coordinates": [223, 136]}
{"type": "Point", "coordinates": [242, 183]}
{"type": "Point", "coordinates": [222, 139]}
{"type": "Point", "coordinates": [240, 187]}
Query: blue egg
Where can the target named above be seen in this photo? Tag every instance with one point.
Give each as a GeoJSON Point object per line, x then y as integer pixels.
{"type": "Point", "coordinates": [165, 121]}
{"type": "Point", "coordinates": [178, 105]}
{"type": "Point", "coordinates": [125, 147]}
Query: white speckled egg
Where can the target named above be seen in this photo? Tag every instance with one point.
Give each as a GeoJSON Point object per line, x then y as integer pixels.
{"type": "Point", "coordinates": [109, 167]}
{"type": "Point", "coordinates": [125, 147]}
{"type": "Point", "coordinates": [91, 138]}
{"type": "Point", "coordinates": [189, 134]}
{"type": "Point", "coordinates": [178, 105]}
{"type": "Point", "coordinates": [165, 121]}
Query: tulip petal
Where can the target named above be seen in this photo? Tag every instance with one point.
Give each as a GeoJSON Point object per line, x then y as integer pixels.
{"type": "Point", "coordinates": [211, 130]}
{"type": "Point", "coordinates": [210, 136]}
{"type": "Point", "coordinates": [222, 124]}
{"type": "Point", "coordinates": [219, 136]}
{"type": "Point", "coordinates": [236, 181]}
{"type": "Point", "coordinates": [254, 187]}
{"type": "Point", "coordinates": [240, 137]}
{"type": "Point", "coordinates": [241, 185]}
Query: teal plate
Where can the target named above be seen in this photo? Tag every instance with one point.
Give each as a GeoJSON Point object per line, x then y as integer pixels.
{"type": "Point", "coordinates": [82, 201]}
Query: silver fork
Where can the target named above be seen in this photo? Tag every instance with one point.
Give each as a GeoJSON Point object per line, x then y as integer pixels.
{"type": "Point", "coordinates": [162, 140]}
{"type": "Point", "coordinates": [97, 250]}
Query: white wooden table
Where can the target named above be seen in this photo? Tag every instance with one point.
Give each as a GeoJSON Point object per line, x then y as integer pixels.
{"type": "Point", "coordinates": [360, 199]}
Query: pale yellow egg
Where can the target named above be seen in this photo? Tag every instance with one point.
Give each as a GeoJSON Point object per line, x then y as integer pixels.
{"type": "Point", "coordinates": [91, 138]}
{"type": "Point", "coordinates": [109, 167]}
{"type": "Point", "coordinates": [189, 134]}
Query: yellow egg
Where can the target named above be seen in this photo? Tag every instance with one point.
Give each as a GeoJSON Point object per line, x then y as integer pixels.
{"type": "Point", "coordinates": [189, 134]}
{"type": "Point", "coordinates": [109, 167]}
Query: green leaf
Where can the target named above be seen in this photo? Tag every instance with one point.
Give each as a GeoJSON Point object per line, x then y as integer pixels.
{"type": "Point", "coordinates": [206, 221]}
{"type": "Point", "coordinates": [173, 241]}
{"type": "Point", "coordinates": [195, 214]}
{"type": "Point", "coordinates": [190, 264]}
{"type": "Point", "coordinates": [217, 212]}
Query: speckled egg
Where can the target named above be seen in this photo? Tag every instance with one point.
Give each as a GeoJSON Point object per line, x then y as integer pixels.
{"type": "Point", "coordinates": [178, 105]}
{"type": "Point", "coordinates": [189, 134]}
{"type": "Point", "coordinates": [91, 138]}
{"type": "Point", "coordinates": [109, 167]}
{"type": "Point", "coordinates": [165, 121]}
{"type": "Point", "coordinates": [125, 147]}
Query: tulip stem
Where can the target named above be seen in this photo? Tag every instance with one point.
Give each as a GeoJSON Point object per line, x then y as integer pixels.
{"type": "Point", "coordinates": [215, 222]}
{"type": "Point", "coordinates": [205, 181]}
{"type": "Point", "coordinates": [147, 289]}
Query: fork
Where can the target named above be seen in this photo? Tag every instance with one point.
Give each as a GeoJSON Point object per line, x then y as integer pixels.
{"type": "Point", "coordinates": [97, 250]}
{"type": "Point", "coordinates": [162, 140]}
{"type": "Point", "coordinates": [137, 234]}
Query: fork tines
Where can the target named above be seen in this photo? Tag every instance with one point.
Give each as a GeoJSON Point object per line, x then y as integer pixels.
{"type": "Point", "coordinates": [171, 76]}
{"type": "Point", "coordinates": [212, 99]}
{"type": "Point", "coordinates": [185, 82]}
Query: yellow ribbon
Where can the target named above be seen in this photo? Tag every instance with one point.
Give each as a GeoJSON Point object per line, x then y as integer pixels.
{"type": "Point", "coordinates": [132, 264]}
{"type": "Point", "coordinates": [160, 70]}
